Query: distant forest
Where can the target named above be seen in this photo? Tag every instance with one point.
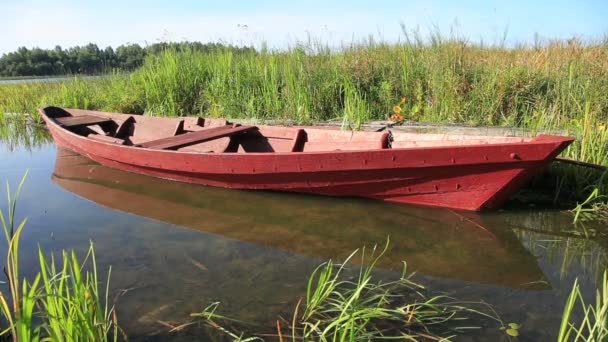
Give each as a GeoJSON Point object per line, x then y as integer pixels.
{"type": "Point", "coordinates": [90, 59]}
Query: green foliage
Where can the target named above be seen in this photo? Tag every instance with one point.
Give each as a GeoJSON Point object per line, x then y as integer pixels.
{"type": "Point", "coordinates": [593, 207]}
{"type": "Point", "coordinates": [512, 329]}
{"type": "Point", "coordinates": [339, 309]}
{"type": "Point", "coordinates": [72, 302]}
{"type": "Point", "coordinates": [594, 323]}
{"type": "Point", "coordinates": [89, 59]}
{"type": "Point", "coordinates": [451, 81]}
{"type": "Point", "coordinates": [342, 305]}
{"type": "Point", "coordinates": [60, 304]}
{"type": "Point", "coordinates": [18, 309]}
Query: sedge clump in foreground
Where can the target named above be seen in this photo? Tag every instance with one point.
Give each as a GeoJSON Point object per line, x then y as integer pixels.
{"type": "Point", "coordinates": [342, 304]}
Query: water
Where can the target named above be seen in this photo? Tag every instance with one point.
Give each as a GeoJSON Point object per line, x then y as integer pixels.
{"type": "Point", "coordinates": [174, 248]}
{"type": "Point", "coordinates": [46, 79]}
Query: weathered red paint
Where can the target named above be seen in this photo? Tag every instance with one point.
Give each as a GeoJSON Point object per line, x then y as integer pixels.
{"type": "Point", "coordinates": [461, 176]}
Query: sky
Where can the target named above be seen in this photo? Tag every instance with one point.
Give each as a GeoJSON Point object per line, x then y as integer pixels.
{"type": "Point", "coordinates": [280, 23]}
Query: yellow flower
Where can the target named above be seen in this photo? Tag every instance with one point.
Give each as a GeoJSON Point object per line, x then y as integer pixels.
{"type": "Point", "coordinates": [397, 109]}
{"type": "Point", "coordinates": [397, 117]}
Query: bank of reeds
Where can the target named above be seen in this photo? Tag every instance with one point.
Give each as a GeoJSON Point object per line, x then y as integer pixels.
{"type": "Point", "coordinates": [592, 324]}
{"type": "Point", "coordinates": [18, 131]}
{"type": "Point", "coordinates": [556, 85]}
{"type": "Point", "coordinates": [63, 301]}
{"type": "Point", "coordinates": [446, 80]}
{"type": "Point", "coordinates": [346, 303]}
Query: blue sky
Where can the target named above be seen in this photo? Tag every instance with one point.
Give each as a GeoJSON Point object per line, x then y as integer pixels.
{"type": "Point", "coordinates": [282, 23]}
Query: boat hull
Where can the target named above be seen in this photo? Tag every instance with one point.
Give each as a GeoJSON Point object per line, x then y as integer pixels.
{"type": "Point", "coordinates": [472, 177]}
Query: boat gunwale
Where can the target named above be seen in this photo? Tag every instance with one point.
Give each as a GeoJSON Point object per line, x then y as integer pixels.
{"type": "Point", "coordinates": [545, 139]}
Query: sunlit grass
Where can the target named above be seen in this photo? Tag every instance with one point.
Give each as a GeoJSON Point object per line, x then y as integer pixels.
{"type": "Point", "coordinates": [337, 308]}
{"type": "Point", "coordinates": [19, 131]}
{"type": "Point", "coordinates": [593, 324]}
{"type": "Point", "coordinates": [63, 302]}
{"type": "Point", "coordinates": [343, 303]}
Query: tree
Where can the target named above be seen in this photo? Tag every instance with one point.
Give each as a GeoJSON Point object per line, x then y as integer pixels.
{"type": "Point", "coordinates": [130, 56]}
{"type": "Point", "coordinates": [89, 59]}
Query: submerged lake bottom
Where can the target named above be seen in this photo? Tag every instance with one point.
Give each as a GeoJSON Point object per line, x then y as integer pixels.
{"type": "Point", "coordinates": [174, 248]}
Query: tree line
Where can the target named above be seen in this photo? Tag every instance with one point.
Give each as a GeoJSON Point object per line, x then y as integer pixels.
{"type": "Point", "coordinates": [90, 59]}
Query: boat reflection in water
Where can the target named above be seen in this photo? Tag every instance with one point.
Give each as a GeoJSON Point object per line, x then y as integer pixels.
{"type": "Point", "coordinates": [435, 242]}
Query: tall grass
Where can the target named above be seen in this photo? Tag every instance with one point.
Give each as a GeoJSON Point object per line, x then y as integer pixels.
{"type": "Point", "coordinates": [345, 304]}
{"type": "Point", "coordinates": [448, 80]}
{"type": "Point", "coordinates": [593, 325]}
{"type": "Point", "coordinates": [337, 308]}
{"type": "Point", "coordinates": [63, 302]}
{"type": "Point", "coordinates": [18, 307]}
{"type": "Point", "coordinates": [18, 131]}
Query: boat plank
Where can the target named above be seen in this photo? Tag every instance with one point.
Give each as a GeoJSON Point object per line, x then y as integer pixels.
{"type": "Point", "coordinates": [81, 120]}
{"type": "Point", "coordinates": [195, 137]}
{"type": "Point", "coordinates": [105, 138]}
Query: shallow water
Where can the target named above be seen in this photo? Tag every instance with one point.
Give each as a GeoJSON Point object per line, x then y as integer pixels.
{"type": "Point", "coordinates": [46, 79]}
{"type": "Point", "coordinates": [174, 248]}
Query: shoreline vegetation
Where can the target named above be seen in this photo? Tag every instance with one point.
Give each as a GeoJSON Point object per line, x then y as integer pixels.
{"type": "Point", "coordinates": [345, 302]}
{"type": "Point", "coordinates": [62, 302]}
{"type": "Point", "coordinates": [89, 59]}
{"type": "Point", "coordinates": [41, 77]}
{"type": "Point", "coordinates": [557, 85]}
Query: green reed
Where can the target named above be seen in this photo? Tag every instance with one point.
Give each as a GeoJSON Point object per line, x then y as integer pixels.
{"type": "Point", "coordinates": [19, 131]}
{"type": "Point", "coordinates": [73, 306]}
{"type": "Point", "coordinates": [18, 307]}
{"type": "Point", "coordinates": [343, 304]}
{"type": "Point", "coordinates": [450, 81]}
{"type": "Point", "coordinates": [63, 302]}
{"type": "Point", "coordinates": [337, 308]}
{"type": "Point", "coordinates": [593, 326]}
{"type": "Point", "coordinates": [581, 248]}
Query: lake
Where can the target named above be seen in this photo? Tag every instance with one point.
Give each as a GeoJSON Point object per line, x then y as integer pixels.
{"type": "Point", "coordinates": [46, 79]}
{"type": "Point", "coordinates": [174, 248]}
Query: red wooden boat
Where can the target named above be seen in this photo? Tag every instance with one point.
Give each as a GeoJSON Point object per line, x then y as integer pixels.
{"type": "Point", "coordinates": [455, 171]}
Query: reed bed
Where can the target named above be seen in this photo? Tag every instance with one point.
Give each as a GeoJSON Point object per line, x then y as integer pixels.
{"type": "Point", "coordinates": [448, 80]}
{"type": "Point", "coordinates": [20, 132]}
{"type": "Point", "coordinates": [593, 324]}
{"type": "Point", "coordinates": [581, 249]}
{"type": "Point", "coordinates": [345, 303]}
{"type": "Point", "coordinates": [554, 85]}
{"type": "Point", "coordinates": [63, 301]}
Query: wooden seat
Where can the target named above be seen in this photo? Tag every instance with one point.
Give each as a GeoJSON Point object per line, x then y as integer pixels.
{"type": "Point", "coordinates": [333, 140]}
{"type": "Point", "coordinates": [105, 138]}
{"type": "Point", "coordinates": [196, 137]}
{"type": "Point", "coordinates": [271, 139]}
{"type": "Point", "coordinates": [81, 120]}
